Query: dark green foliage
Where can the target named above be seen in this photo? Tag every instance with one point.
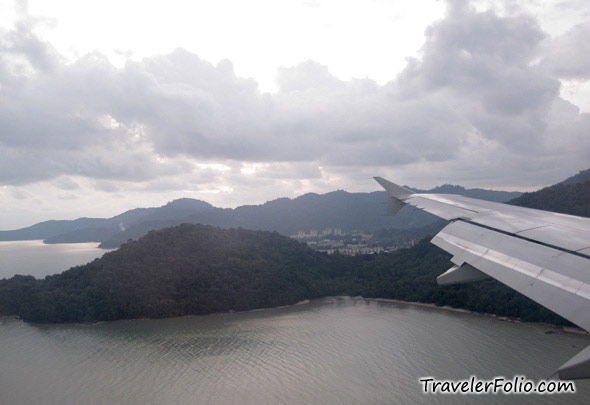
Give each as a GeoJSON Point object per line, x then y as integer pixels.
{"type": "Point", "coordinates": [197, 269]}
{"type": "Point", "coordinates": [567, 198]}
{"type": "Point", "coordinates": [582, 177]}
{"type": "Point", "coordinates": [396, 236]}
{"type": "Point", "coordinates": [189, 269]}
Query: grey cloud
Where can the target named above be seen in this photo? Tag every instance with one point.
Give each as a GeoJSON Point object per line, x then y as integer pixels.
{"type": "Point", "coordinates": [107, 186]}
{"type": "Point", "coordinates": [67, 196]}
{"type": "Point", "coordinates": [287, 171]}
{"type": "Point", "coordinates": [66, 183]}
{"type": "Point", "coordinates": [19, 166]}
{"type": "Point", "coordinates": [482, 65]}
{"type": "Point", "coordinates": [474, 91]}
{"type": "Point", "coordinates": [21, 194]}
{"type": "Point", "coordinates": [568, 55]}
{"type": "Point", "coordinates": [21, 41]}
{"type": "Point", "coordinates": [305, 76]}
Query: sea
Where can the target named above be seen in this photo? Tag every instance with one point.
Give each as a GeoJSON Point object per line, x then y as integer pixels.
{"type": "Point", "coordinates": [337, 350]}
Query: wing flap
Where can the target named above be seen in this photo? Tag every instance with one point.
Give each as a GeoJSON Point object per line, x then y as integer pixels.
{"type": "Point", "coordinates": [465, 273]}
{"type": "Point", "coordinates": [566, 238]}
{"type": "Point", "coordinates": [548, 276]}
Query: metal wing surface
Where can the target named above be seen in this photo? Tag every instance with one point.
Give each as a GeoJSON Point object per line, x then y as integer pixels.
{"type": "Point", "coordinates": [541, 254]}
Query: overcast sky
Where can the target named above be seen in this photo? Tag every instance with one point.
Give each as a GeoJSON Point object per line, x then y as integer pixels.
{"type": "Point", "coordinates": [107, 106]}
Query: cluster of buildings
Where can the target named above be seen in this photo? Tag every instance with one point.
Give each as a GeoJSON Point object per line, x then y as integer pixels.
{"type": "Point", "coordinates": [332, 240]}
{"type": "Point", "coordinates": [350, 249]}
{"type": "Point", "coordinates": [355, 246]}
{"type": "Point", "coordinates": [313, 233]}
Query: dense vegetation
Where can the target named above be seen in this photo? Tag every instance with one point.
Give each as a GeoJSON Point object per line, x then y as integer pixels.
{"type": "Point", "coordinates": [567, 198]}
{"type": "Point", "coordinates": [197, 269]}
{"type": "Point", "coordinates": [402, 237]}
{"type": "Point", "coordinates": [582, 177]}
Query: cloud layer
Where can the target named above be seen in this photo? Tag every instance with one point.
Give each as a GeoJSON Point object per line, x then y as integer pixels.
{"type": "Point", "coordinates": [481, 105]}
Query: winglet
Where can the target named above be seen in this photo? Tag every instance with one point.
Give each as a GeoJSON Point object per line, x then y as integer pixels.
{"type": "Point", "coordinates": [393, 189]}
{"type": "Point", "coordinates": [395, 195]}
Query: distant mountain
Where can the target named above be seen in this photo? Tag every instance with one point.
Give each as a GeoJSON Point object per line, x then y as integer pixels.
{"type": "Point", "coordinates": [349, 211]}
{"type": "Point", "coordinates": [98, 229]}
{"type": "Point", "coordinates": [479, 193]}
{"type": "Point", "coordinates": [47, 229]}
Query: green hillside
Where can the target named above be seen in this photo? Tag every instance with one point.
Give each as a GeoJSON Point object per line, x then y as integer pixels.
{"type": "Point", "coordinates": [566, 198]}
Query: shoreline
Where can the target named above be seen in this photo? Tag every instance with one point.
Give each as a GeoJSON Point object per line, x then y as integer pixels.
{"type": "Point", "coordinates": [564, 329]}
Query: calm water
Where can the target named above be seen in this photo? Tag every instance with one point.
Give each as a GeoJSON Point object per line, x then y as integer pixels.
{"type": "Point", "coordinates": [347, 351]}
{"type": "Point", "coordinates": [331, 351]}
{"type": "Point", "coordinates": [33, 257]}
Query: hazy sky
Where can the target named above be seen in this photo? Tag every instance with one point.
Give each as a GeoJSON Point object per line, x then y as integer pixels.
{"type": "Point", "coordinates": [111, 105]}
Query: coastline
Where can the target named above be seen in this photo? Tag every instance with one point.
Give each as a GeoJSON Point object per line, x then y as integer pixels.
{"type": "Point", "coordinates": [556, 328]}
{"type": "Point", "coordinates": [565, 329]}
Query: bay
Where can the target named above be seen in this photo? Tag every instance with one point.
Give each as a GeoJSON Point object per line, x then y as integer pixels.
{"type": "Point", "coordinates": [33, 257]}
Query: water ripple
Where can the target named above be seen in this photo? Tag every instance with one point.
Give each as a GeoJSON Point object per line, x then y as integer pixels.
{"type": "Point", "coordinates": [330, 351]}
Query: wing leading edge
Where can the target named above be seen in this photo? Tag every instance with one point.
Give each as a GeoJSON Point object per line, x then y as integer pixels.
{"type": "Point", "coordinates": [543, 255]}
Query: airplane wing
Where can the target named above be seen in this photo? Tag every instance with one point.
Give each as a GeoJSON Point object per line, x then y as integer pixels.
{"type": "Point", "coordinates": [541, 254]}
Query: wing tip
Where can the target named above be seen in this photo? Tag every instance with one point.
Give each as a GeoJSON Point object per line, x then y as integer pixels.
{"type": "Point", "coordinates": [393, 189]}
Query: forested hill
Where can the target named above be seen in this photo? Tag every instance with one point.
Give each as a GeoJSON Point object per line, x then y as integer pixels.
{"type": "Point", "coordinates": [566, 198]}
{"type": "Point", "coordinates": [197, 269]}
{"type": "Point", "coordinates": [189, 269]}
{"type": "Point", "coordinates": [582, 177]}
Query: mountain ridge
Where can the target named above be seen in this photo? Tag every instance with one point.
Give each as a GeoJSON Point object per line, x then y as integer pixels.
{"type": "Point", "coordinates": [349, 211]}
